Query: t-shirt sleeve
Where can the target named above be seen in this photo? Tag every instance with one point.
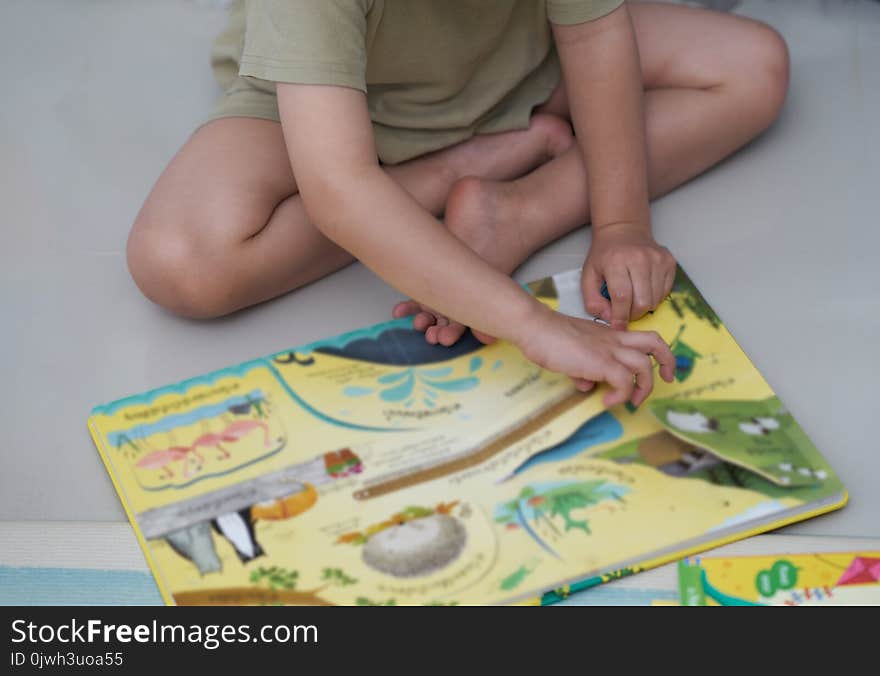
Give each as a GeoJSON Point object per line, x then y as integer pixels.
{"type": "Point", "coordinates": [306, 42]}
{"type": "Point", "coordinates": [579, 11]}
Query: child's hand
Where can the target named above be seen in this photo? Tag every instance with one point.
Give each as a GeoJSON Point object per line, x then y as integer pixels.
{"type": "Point", "coordinates": [638, 271]}
{"type": "Point", "coordinates": [590, 352]}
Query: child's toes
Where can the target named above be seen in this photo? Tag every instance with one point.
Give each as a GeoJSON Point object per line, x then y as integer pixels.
{"type": "Point", "coordinates": [449, 335]}
{"type": "Point", "coordinates": [431, 334]}
{"type": "Point", "coordinates": [405, 308]}
{"type": "Point", "coordinates": [423, 321]}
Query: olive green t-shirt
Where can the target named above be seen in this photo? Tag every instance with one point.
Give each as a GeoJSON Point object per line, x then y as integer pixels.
{"type": "Point", "coordinates": [435, 72]}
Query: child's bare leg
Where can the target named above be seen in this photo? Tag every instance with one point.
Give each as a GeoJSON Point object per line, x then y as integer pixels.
{"type": "Point", "coordinates": [713, 82]}
{"type": "Point", "coordinates": [223, 228]}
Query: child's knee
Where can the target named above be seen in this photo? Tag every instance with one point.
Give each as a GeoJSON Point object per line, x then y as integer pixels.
{"type": "Point", "coordinates": [169, 269]}
{"type": "Point", "coordinates": [766, 70]}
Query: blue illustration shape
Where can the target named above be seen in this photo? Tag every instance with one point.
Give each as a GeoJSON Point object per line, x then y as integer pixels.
{"type": "Point", "coordinates": [401, 391]}
{"type": "Point", "coordinates": [170, 422]}
{"type": "Point", "coordinates": [356, 391]}
{"type": "Point", "coordinates": [497, 365]}
{"type": "Point", "coordinates": [410, 384]}
{"type": "Point", "coordinates": [599, 430]}
{"type": "Point", "coordinates": [523, 521]}
{"type": "Point", "coordinates": [458, 385]}
{"type": "Point", "coordinates": [389, 378]}
{"type": "Point", "coordinates": [476, 363]}
{"type": "Point", "coordinates": [320, 415]}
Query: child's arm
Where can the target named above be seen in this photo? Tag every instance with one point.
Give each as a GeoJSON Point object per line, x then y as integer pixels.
{"type": "Point", "coordinates": [355, 203]}
{"type": "Point", "coordinates": [600, 63]}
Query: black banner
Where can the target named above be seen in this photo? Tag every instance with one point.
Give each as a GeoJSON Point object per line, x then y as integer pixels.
{"type": "Point", "coordinates": [123, 639]}
{"type": "Point", "coordinates": [164, 640]}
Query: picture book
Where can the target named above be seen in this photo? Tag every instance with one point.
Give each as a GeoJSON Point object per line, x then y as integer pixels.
{"type": "Point", "coordinates": [815, 579]}
{"type": "Point", "coordinates": [374, 468]}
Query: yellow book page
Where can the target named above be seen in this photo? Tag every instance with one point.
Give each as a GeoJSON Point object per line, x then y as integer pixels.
{"type": "Point", "coordinates": [372, 468]}
{"type": "Point", "coordinates": [808, 579]}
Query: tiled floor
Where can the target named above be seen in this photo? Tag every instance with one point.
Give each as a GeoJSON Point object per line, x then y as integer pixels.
{"type": "Point", "coordinates": [782, 240]}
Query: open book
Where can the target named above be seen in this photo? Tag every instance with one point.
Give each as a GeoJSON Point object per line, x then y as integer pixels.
{"type": "Point", "coordinates": [373, 468]}
{"type": "Point", "coordinates": [807, 579]}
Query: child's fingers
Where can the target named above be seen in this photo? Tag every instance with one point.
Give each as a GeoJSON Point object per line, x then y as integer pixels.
{"type": "Point", "coordinates": [583, 384]}
{"type": "Point", "coordinates": [642, 371]}
{"type": "Point", "coordinates": [621, 380]}
{"type": "Point", "coordinates": [594, 302]}
{"type": "Point", "coordinates": [621, 291]}
{"type": "Point", "coordinates": [658, 285]}
{"type": "Point", "coordinates": [642, 294]}
{"type": "Point", "coordinates": [650, 343]}
{"type": "Point", "coordinates": [668, 281]}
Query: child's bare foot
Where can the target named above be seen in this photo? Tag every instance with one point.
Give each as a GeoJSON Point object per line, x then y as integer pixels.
{"type": "Point", "coordinates": [488, 217]}
{"type": "Point", "coordinates": [508, 155]}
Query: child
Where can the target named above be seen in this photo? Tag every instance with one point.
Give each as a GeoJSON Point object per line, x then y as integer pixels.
{"type": "Point", "coordinates": [395, 112]}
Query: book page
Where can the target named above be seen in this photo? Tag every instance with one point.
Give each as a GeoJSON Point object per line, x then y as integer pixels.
{"type": "Point", "coordinates": [374, 468]}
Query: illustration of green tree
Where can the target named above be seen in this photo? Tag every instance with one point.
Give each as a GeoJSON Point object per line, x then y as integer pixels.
{"type": "Point", "coordinates": [335, 576]}
{"type": "Point", "coordinates": [543, 503]}
{"type": "Point", "coordinates": [685, 297]}
{"type": "Point", "coordinates": [275, 577]}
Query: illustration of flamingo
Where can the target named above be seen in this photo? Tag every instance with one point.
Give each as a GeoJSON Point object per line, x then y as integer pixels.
{"type": "Point", "coordinates": [162, 459]}
{"type": "Point", "coordinates": [194, 451]}
{"type": "Point", "coordinates": [211, 440]}
{"type": "Point", "coordinates": [241, 428]}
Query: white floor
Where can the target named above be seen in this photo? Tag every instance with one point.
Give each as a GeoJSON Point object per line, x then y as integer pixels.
{"type": "Point", "coordinates": [782, 239]}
